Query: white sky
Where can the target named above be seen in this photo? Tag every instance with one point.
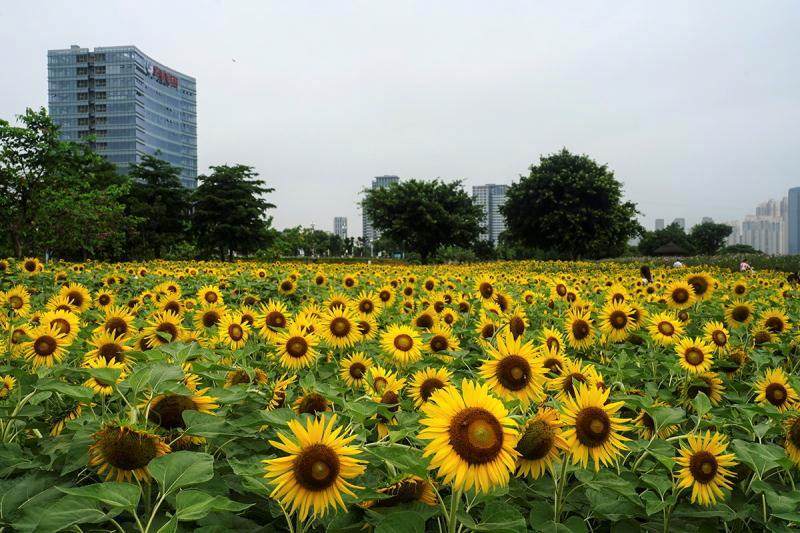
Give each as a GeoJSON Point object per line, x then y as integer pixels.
{"type": "Point", "coordinates": [694, 105]}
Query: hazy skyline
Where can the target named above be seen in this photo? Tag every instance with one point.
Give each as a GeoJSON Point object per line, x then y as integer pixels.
{"type": "Point", "coordinates": [695, 106]}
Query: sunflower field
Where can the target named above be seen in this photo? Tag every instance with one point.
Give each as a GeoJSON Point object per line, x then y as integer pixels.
{"type": "Point", "coordinates": [503, 397]}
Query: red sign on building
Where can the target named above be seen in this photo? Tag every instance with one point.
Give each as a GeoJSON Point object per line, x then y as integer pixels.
{"type": "Point", "coordinates": [163, 77]}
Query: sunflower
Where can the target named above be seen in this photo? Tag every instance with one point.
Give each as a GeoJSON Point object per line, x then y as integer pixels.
{"type": "Point", "coordinates": [775, 321]}
{"type": "Point", "coordinates": [448, 317]}
{"type": "Point", "coordinates": [580, 332]}
{"type": "Point", "coordinates": [694, 354]}
{"type": "Point", "coordinates": [162, 328]}
{"type": "Point", "coordinates": [665, 328]}
{"type": "Point", "coordinates": [716, 335]}
{"type": "Point", "coordinates": [552, 360]}
{"type": "Point", "coordinates": [379, 379]}
{"type": "Point", "coordinates": [353, 369]}
{"type": "Point", "coordinates": [166, 410]}
{"type": "Point", "coordinates": [792, 427]}
{"type": "Point", "coordinates": [338, 327]}
{"type": "Point", "coordinates": [705, 467]}
{"type": "Point", "coordinates": [408, 490]}
{"type": "Point", "coordinates": [389, 398]}
{"type": "Point", "coordinates": [232, 331]}
{"type": "Point", "coordinates": [616, 321]}
{"type": "Point", "coordinates": [60, 302]}
{"type": "Point", "coordinates": [123, 452]}
{"type": "Point", "coordinates": [386, 296]}
{"type": "Point", "coordinates": [739, 313]}
{"type": "Point", "coordinates": [513, 371]}
{"type": "Point", "coordinates": [708, 383]}
{"type": "Point", "coordinates": [320, 279]}
{"type": "Point", "coordinates": [46, 346]}
{"type": "Point", "coordinates": [472, 439]}
{"type": "Point", "coordinates": [517, 321]}
{"type": "Point", "coordinates": [646, 426]}
{"type": "Point", "coordinates": [172, 304]}
{"type": "Point", "coordinates": [311, 403]}
{"type": "Point", "coordinates": [78, 296]}
{"type": "Point", "coordinates": [296, 347]}
{"type": "Point", "coordinates": [240, 376]}
{"type": "Point", "coordinates": [18, 301]}
{"type": "Point", "coordinates": [484, 287]}
{"type": "Point", "coordinates": [65, 322]}
{"type": "Point", "coordinates": [703, 285]}
{"type": "Point", "coordinates": [99, 384]}
{"type": "Point", "coordinates": [680, 295]}
{"type": "Point", "coordinates": [104, 299]}
{"type": "Point", "coordinates": [110, 348]}
{"type": "Point", "coordinates": [592, 430]}
{"type": "Point", "coordinates": [209, 316]}
{"type": "Point", "coordinates": [61, 417]}
{"type": "Point", "coordinates": [774, 389]}
{"type": "Point", "coordinates": [442, 339]}
{"type": "Point", "coordinates": [30, 266]}
{"type": "Point", "coordinates": [551, 339]}
{"type": "Point", "coordinates": [486, 328]}
{"type": "Point", "coordinates": [287, 287]}
{"type": "Point", "coordinates": [315, 473]}
{"type": "Point", "coordinates": [402, 344]}
{"type": "Point", "coordinates": [425, 382]}
{"type": "Point", "coordinates": [740, 288]}
{"type": "Point", "coordinates": [337, 300]}
{"type": "Point", "coordinates": [426, 319]}
{"type": "Point", "coordinates": [367, 327]}
{"type": "Point", "coordinates": [278, 398]}
{"type": "Point", "coordinates": [367, 303]}
{"type": "Point", "coordinates": [7, 384]}
{"type": "Point", "coordinates": [271, 319]}
{"type": "Point", "coordinates": [210, 295]}
{"type": "Point", "coordinates": [573, 373]}
{"type": "Point", "coordinates": [540, 443]}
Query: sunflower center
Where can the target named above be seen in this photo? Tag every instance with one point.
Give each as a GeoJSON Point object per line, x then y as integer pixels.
{"type": "Point", "coordinates": [61, 325]}
{"type": "Point", "coordinates": [366, 306]}
{"type": "Point", "coordinates": [316, 468]}
{"type": "Point", "coordinates": [439, 343]}
{"type": "Point", "coordinates": [384, 296]}
{"type": "Point", "coordinates": [618, 319]}
{"type": "Point", "coordinates": [110, 352]}
{"type": "Point", "coordinates": [210, 297]}
{"type": "Point", "coordinates": [275, 319]}
{"type": "Point", "coordinates": [580, 329]}
{"type": "Point", "coordinates": [740, 313]}
{"type": "Point", "coordinates": [30, 266]}
{"type": "Point", "coordinates": [76, 298]}
{"type": "Point", "coordinates": [286, 286]}
{"type": "Point", "coordinates": [169, 329]}
{"type": "Point", "coordinates": [340, 327]}
{"type": "Point", "coordinates": [561, 290]}
{"type": "Point", "coordinates": [537, 441]}
{"type": "Point", "coordinates": [719, 338]}
{"type": "Point", "coordinates": [403, 342]}
{"type": "Point", "coordinates": [569, 382]}
{"type": "Point", "coordinates": [424, 321]}
{"type": "Point", "coordinates": [739, 289]}
{"type": "Point", "coordinates": [694, 356]}
{"type": "Point", "coordinates": [429, 386]}
{"type": "Point", "coordinates": [313, 403]}
{"type": "Point", "coordinates": [476, 435]}
{"type": "Point", "coordinates": [774, 324]}
{"type": "Point", "coordinates": [127, 450]}
{"type": "Point", "coordinates": [16, 302]}
{"type": "Point", "coordinates": [517, 326]}
{"type": "Point", "coordinates": [357, 370]}
{"type": "Point", "coordinates": [592, 427]}
{"type": "Point", "coordinates": [703, 466]}
{"type": "Point", "coordinates": [104, 299]}
{"type": "Point", "coordinates": [680, 295]}
{"type": "Point", "coordinates": [379, 383]}
{"type": "Point", "coordinates": [666, 328]}
{"type": "Point", "coordinates": [513, 372]}
{"type": "Point", "coordinates": [699, 284]}
{"type": "Point", "coordinates": [553, 344]}
{"type": "Point", "coordinates": [296, 347]}
{"type": "Point", "coordinates": [776, 394]}
{"type": "Point", "coordinates": [486, 289]}
{"type": "Point", "coordinates": [117, 326]}
{"type": "Point", "coordinates": [553, 365]}
{"type": "Point", "coordinates": [168, 411]}
{"type": "Point", "coordinates": [45, 345]}
{"type": "Point", "coordinates": [210, 318]}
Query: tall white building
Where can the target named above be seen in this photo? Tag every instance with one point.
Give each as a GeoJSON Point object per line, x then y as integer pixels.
{"type": "Point", "coordinates": [369, 233]}
{"type": "Point", "coordinates": [340, 227]}
{"type": "Point", "coordinates": [766, 230]}
{"type": "Point", "coordinates": [490, 197]}
{"type": "Point", "coordinates": [659, 224]}
{"type": "Point", "coordinates": [680, 222]}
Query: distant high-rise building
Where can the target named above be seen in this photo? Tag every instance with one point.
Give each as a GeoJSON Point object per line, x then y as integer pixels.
{"type": "Point", "coordinates": [793, 221]}
{"type": "Point", "coordinates": [128, 103]}
{"type": "Point", "coordinates": [659, 224]}
{"type": "Point", "coordinates": [490, 197]}
{"type": "Point", "coordinates": [706, 220]}
{"type": "Point", "coordinates": [340, 227]}
{"type": "Point", "coordinates": [736, 236]}
{"type": "Point", "coordinates": [369, 233]}
{"type": "Point", "coordinates": [767, 230]}
{"type": "Point", "coordinates": [681, 222]}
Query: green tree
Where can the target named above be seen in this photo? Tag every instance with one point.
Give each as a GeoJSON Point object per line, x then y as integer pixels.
{"type": "Point", "coordinates": [423, 216]}
{"type": "Point", "coordinates": [229, 212]}
{"type": "Point", "coordinates": [709, 237]}
{"type": "Point", "coordinates": [570, 205]}
{"type": "Point", "coordinates": [652, 240]}
{"type": "Point", "coordinates": [160, 204]}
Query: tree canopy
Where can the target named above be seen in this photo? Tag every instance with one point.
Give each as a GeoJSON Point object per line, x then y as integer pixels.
{"type": "Point", "coordinates": [570, 205]}
{"type": "Point", "coordinates": [652, 240]}
{"type": "Point", "coordinates": [709, 237]}
{"type": "Point", "coordinates": [422, 216]}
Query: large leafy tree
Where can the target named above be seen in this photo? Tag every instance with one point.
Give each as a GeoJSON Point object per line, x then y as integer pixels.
{"type": "Point", "coordinates": [423, 216]}
{"type": "Point", "coordinates": [709, 237]}
{"type": "Point", "coordinates": [570, 205]}
{"type": "Point", "coordinates": [229, 212]}
{"type": "Point", "coordinates": [674, 233]}
{"type": "Point", "coordinates": [160, 204]}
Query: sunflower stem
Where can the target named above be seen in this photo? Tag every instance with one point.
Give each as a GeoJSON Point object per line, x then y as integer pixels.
{"type": "Point", "coordinates": [455, 499]}
{"type": "Point", "coordinates": [560, 483]}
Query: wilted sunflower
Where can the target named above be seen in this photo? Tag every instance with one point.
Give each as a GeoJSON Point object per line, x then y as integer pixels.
{"type": "Point", "coordinates": [233, 331]}
{"type": "Point", "coordinates": [513, 370]}
{"type": "Point", "coordinates": [540, 443]}
{"type": "Point", "coordinates": [65, 322]}
{"type": "Point", "coordinates": [402, 343]}
{"type": "Point", "coordinates": [739, 313]}
{"type": "Point", "coordinates": [99, 384]}
{"type": "Point", "coordinates": [792, 428]}
{"type": "Point", "coordinates": [61, 417]}
{"type": "Point", "coordinates": [162, 328]}
{"type": "Point", "coordinates": [615, 320]}
{"type": "Point", "coordinates": [472, 438]}
{"type": "Point", "coordinates": [46, 346]}
{"type": "Point", "coordinates": [694, 355]}
{"type": "Point", "coordinates": [646, 426]}
{"type": "Point", "coordinates": [573, 373]}
{"type": "Point", "coordinates": [123, 452]}
{"type": "Point", "coordinates": [705, 467]}
{"type": "Point", "coordinates": [279, 391]}
{"type": "Point", "coordinates": [338, 327]}
{"type": "Point", "coordinates": [425, 382]}
{"type": "Point", "coordinates": [353, 369]}
{"type": "Point", "coordinates": [580, 332]}
{"type": "Point", "coordinates": [775, 321]}
{"type": "Point", "coordinates": [408, 490]}
{"type": "Point", "coordinates": [315, 473]}
{"type": "Point", "coordinates": [296, 347]}
{"type": "Point", "coordinates": [78, 296]}
{"type": "Point", "coordinates": [717, 335]}
{"type": "Point", "coordinates": [774, 389]}
{"type": "Point", "coordinates": [665, 328]}
{"type": "Point", "coordinates": [271, 319]}
{"type": "Point", "coordinates": [592, 430]}
{"type": "Point", "coordinates": [166, 410]}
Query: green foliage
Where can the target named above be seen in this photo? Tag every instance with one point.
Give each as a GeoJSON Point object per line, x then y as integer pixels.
{"type": "Point", "coordinates": [740, 249]}
{"type": "Point", "coordinates": [422, 216]}
{"type": "Point", "coordinates": [229, 213]}
{"type": "Point", "coordinates": [454, 254]}
{"type": "Point", "coordinates": [652, 240]}
{"type": "Point", "coordinates": [310, 242]}
{"type": "Point", "coordinates": [570, 205]}
{"type": "Point", "coordinates": [709, 237]}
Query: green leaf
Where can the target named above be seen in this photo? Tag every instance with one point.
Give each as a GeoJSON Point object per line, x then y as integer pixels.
{"type": "Point", "coordinates": [154, 376]}
{"type": "Point", "coordinates": [195, 504]}
{"type": "Point", "coordinates": [401, 522]}
{"type": "Point", "coordinates": [82, 394]}
{"type": "Point", "coordinates": [402, 458]}
{"type": "Point", "coordinates": [206, 424]}
{"type": "Point", "coordinates": [666, 416]}
{"type": "Point", "coordinates": [702, 404]}
{"type": "Point", "coordinates": [181, 469]}
{"type": "Point", "coordinates": [66, 512]}
{"type": "Point", "coordinates": [499, 517]}
{"type": "Point", "coordinates": [113, 494]}
{"type": "Point", "coordinates": [541, 513]}
{"type": "Point", "coordinates": [31, 489]}
{"type": "Point", "coordinates": [759, 457]}
{"type": "Point", "coordinates": [107, 376]}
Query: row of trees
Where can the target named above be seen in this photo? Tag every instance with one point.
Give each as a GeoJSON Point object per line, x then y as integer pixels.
{"type": "Point", "coordinates": [61, 199]}
{"type": "Point", "coordinates": [706, 238]}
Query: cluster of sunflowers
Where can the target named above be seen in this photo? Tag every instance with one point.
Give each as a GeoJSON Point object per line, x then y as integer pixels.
{"type": "Point", "coordinates": [511, 396]}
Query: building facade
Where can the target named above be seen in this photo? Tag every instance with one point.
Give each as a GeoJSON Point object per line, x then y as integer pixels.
{"type": "Point", "coordinates": [340, 227]}
{"type": "Point", "coordinates": [369, 233]}
{"type": "Point", "coordinates": [126, 104]}
{"type": "Point", "coordinates": [659, 224]}
{"type": "Point", "coordinates": [490, 197]}
{"type": "Point", "coordinates": [767, 230]}
{"type": "Point", "coordinates": [681, 222]}
{"type": "Point", "coordinates": [793, 221]}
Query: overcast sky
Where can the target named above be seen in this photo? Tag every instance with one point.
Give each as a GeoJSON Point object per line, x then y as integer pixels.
{"type": "Point", "coordinates": [694, 104]}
